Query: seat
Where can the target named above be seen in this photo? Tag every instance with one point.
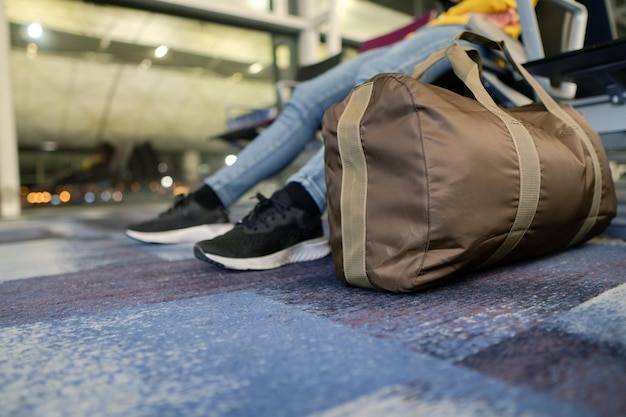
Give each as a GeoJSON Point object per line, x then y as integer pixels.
{"type": "Point", "coordinates": [599, 71]}
{"type": "Point", "coordinates": [585, 68]}
{"type": "Point", "coordinates": [244, 124]}
{"type": "Point", "coordinates": [551, 28]}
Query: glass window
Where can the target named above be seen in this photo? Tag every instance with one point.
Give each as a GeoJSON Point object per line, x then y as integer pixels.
{"type": "Point", "coordinates": [86, 75]}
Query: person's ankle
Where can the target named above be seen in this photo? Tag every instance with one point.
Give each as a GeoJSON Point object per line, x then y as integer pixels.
{"type": "Point", "coordinates": [206, 197]}
{"type": "Point", "coordinates": [301, 198]}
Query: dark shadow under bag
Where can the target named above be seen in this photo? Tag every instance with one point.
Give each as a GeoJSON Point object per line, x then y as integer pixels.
{"type": "Point", "coordinates": [425, 184]}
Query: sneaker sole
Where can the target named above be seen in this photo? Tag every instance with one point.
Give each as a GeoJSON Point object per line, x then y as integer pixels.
{"type": "Point", "coordinates": [308, 250]}
{"type": "Point", "coordinates": [188, 235]}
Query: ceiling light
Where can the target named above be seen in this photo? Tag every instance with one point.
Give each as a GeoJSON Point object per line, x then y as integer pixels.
{"type": "Point", "coordinates": [261, 5]}
{"type": "Point", "coordinates": [255, 68]}
{"type": "Point", "coordinates": [35, 30]}
{"type": "Point", "coordinates": [161, 51]}
{"type": "Point", "coordinates": [230, 159]}
{"type": "Point", "coordinates": [167, 181]}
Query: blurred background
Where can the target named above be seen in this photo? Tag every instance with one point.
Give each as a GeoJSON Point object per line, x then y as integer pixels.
{"type": "Point", "coordinates": [123, 101]}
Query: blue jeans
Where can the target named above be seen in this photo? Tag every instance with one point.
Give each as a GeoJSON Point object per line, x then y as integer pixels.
{"type": "Point", "coordinates": [297, 124]}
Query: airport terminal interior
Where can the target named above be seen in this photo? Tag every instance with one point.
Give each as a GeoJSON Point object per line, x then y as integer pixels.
{"type": "Point", "coordinates": [146, 95]}
{"type": "Point", "coordinates": [111, 108]}
{"type": "Point", "coordinates": [115, 103]}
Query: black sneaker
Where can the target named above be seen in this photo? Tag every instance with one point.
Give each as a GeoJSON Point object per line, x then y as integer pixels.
{"type": "Point", "coordinates": [185, 222]}
{"type": "Point", "coordinates": [273, 234]}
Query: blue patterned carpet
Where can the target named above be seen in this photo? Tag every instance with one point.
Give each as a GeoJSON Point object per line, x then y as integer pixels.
{"type": "Point", "coordinates": [95, 324]}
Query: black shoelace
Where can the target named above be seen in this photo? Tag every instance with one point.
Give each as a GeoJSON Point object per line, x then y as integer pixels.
{"type": "Point", "coordinates": [265, 210]}
{"type": "Point", "coordinates": [181, 203]}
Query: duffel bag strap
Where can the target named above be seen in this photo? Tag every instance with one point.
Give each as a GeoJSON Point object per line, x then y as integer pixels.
{"type": "Point", "coordinates": [354, 187]}
{"type": "Point", "coordinates": [528, 159]}
{"type": "Point", "coordinates": [467, 69]}
{"type": "Point", "coordinates": [469, 74]}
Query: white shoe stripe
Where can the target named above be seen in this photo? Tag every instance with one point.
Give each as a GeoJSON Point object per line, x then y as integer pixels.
{"type": "Point", "coordinates": [308, 250]}
{"type": "Point", "coordinates": [188, 235]}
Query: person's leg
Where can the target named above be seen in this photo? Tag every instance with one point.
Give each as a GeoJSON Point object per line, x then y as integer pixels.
{"type": "Point", "coordinates": [282, 230]}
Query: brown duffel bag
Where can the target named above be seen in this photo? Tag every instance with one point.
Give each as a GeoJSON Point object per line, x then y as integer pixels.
{"type": "Point", "coordinates": [425, 184]}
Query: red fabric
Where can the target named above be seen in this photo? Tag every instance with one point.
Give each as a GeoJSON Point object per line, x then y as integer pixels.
{"type": "Point", "coordinates": [398, 34]}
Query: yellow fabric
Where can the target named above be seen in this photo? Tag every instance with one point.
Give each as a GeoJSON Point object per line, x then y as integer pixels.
{"type": "Point", "coordinates": [459, 14]}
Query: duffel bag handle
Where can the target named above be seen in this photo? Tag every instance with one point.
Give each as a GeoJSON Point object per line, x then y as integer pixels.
{"type": "Point", "coordinates": [464, 68]}
{"type": "Point", "coordinates": [456, 50]}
